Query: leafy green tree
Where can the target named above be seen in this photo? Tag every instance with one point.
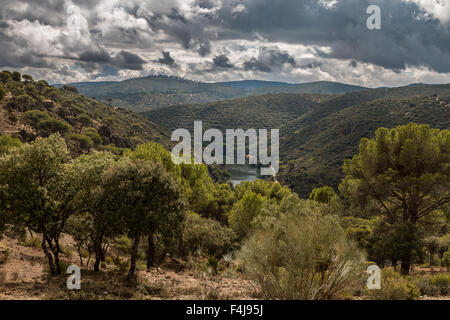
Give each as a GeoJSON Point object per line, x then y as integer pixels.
{"type": "Point", "coordinates": [145, 196]}
{"type": "Point", "coordinates": [323, 195]}
{"type": "Point", "coordinates": [40, 188]}
{"type": "Point", "coordinates": [92, 133]}
{"type": "Point", "coordinates": [84, 120]}
{"type": "Point", "coordinates": [101, 224]}
{"type": "Point", "coordinates": [268, 189]}
{"type": "Point", "coordinates": [27, 78]}
{"type": "Point", "coordinates": [24, 102]}
{"type": "Point", "coordinates": [16, 76]}
{"type": "Point", "coordinates": [33, 117]}
{"type": "Point", "coordinates": [83, 142]}
{"type": "Point", "coordinates": [207, 237]}
{"type": "Point", "coordinates": [49, 126]}
{"type": "Point", "coordinates": [245, 211]}
{"type": "Point", "coordinates": [7, 142]}
{"type": "Point", "coordinates": [405, 170]}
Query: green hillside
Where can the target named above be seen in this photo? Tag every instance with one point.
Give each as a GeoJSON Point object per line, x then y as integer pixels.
{"type": "Point", "coordinates": [155, 92]}
{"type": "Point", "coordinates": [313, 155]}
{"type": "Point", "coordinates": [267, 111]}
{"type": "Point", "coordinates": [33, 108]}
{"type": "Point", "coordinates": [318, 132]}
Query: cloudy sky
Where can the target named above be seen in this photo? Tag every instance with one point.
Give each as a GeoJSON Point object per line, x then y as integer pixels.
{"type": "Point", "coordinates": [219, 40]}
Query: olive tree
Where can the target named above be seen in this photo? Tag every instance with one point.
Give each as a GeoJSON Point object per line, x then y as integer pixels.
{"type": "Point", "coordinates": [40, 189]}
{"type": "Point", "coordinates": [405, 171]}
{"type": "Point", "coordinates": [145, 197]}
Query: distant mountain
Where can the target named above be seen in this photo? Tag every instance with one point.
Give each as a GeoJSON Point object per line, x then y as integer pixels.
{"type": "Point", "coordinates": [256, 87]}
{"type": "Point", "coordinates": [155, 92]}
{"type": "Point", "coordinates": [266, 111]}
{"type": "Point", "coordinates": [250, 85]}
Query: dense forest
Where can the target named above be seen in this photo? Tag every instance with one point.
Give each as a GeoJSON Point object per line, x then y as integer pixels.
{"type": "Point", "coordinates": [119, 201]}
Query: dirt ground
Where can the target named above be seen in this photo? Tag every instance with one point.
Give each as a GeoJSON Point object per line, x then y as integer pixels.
{"type": "Point", "coordinates": [24, 276]}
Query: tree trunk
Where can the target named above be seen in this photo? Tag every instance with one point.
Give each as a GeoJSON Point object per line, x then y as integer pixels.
{"type": "Point", "coordinates": [180, 246]}
{"type": "Point", "coordinates": [98, 253]}
{"type": "Point", "coordinates": [49, 257]}
{"type": "Point", "coordinates": [134, 252]}
{"type": "Point", "coordinates": [56, 250]}
{"type": "Point", "coordinates": [150, 251]}
{"type": "Point", "coordinates": [406, 264]}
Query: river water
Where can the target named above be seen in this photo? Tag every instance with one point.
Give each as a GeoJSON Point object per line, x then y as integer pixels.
{"type": "Point", "coordinates": [240, 173]}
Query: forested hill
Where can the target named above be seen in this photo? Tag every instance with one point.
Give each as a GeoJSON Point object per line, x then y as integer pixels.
{"type": "Point", "coordinates": [32, 108]}
{"type": "Point", "coordinates": [266, 111]}
{"type": "Point", "coordinates": [318, 132]}
{"type": "Point", "coordinates": [155, 92]}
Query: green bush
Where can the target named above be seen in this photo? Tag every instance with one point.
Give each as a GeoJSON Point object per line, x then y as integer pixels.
{"type": "Point", "coordinates": [2, 93]}
{"type": "Point", "coordinates": [33, 242]}
{"type": "Point", "coordinates": [446, 259]}
{"type": "Point", "coordinates": [84, 142]}
{"type": "Point", "coordinates": [7, 142]}
{"type": "Point", "coordinates": [438, 285]}
{"type": "Point", "coordinates": [93, 135]}
{"type": "Point", "coordinates": [207, 237]}
{"type": "Point", "coordinates": [303, 256]}
{"type": "Point", "coordinates": [394, 287]}
{"type": "Point", "coordinates": [49, 126]}
{"type": "Point", "coordinates": [33, 117]}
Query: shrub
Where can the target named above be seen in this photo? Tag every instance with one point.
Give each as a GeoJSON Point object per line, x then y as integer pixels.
{"type": "Point", "coordinates": [394, 287]}
{"type": "Point", "coordinates": [93, 134]}
{"type": "Point", "coordinates": [33, 242]}
{"type": "Point", "coordinates": [49, 126]}
{"type": "Point", "coordinates": [446, 259]}
{"type": "Point", "coordinates": [438, 285]}
{"type": "Point", "coordinates": [84, 142]}
{"type": "Point", "coordinates": [33, 117]}
{"type": "Point", "coordinates": [207, 237]}
{"type": "Point", "coordinates": [303, 256]}
{"type": "Point", "coordinates": [24, 102]}
{"type": "Point", "coordinates": [2, 93]}
{"type": "Point", "coordinates": [7, 142]}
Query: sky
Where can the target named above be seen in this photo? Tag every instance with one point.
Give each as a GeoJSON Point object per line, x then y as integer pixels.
{"type": "Point", "coordinates": [222, 40]}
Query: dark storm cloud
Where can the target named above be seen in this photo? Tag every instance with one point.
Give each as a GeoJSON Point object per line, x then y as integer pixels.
{"type": "Point", "coordinates": [222, 61]}
{"type": "Point", "coordinates": [405, 39]}
{"type": "Point", "coordinates": [269, 59]}
{"type": "Point", "coordinates": [128, 60]}
{"type": "Point", "coordinates": [166, 59]}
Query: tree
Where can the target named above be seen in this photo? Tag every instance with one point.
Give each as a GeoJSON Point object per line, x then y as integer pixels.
{"type": "Point", "coordinates": [49, 126]}
{"type": "Point", "coordinates": [7, 142]}
{"type": "Point", "coordinates": [101, 223]}
{"type": "Point", "coordinates": [146, 198]}
{"type": "Point", "coordinates": [33, 117]}
{"type": "Point", "coordinates": [84, 120]}
{"type": "Point", "coordinates": [40, 189]}
{"type": "Point", "coordinates": [323, 195]}
{"type": "Point", "coordinates": [405, 170]}
{"type": "Point", "coordinates": [245, 211]}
